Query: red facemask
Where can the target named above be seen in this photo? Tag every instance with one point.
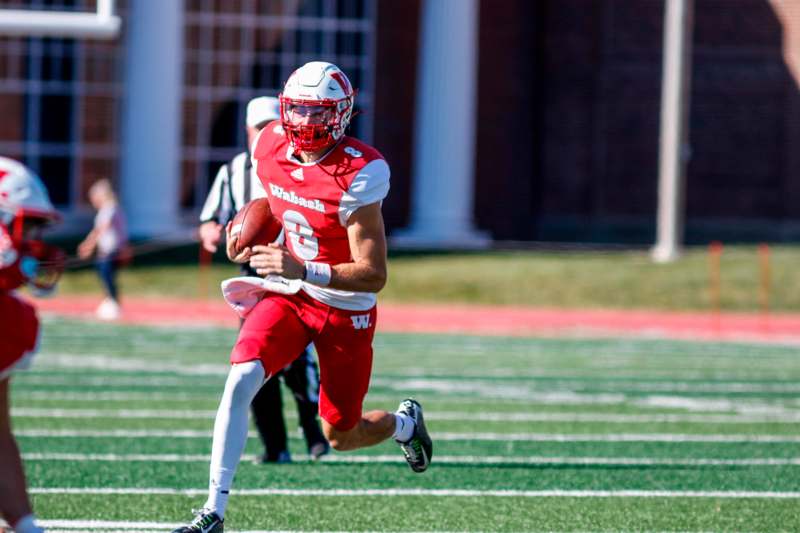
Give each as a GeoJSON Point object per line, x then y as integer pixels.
{"type": "Point", "coordinates": [29, 260]}
{"type": "Point", "coordinates": [310, 125]}
{"type": "Point", "coordinates": [50, 263]}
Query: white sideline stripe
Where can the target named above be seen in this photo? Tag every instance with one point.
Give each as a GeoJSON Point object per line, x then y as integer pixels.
{"type": "Point", "coordinates": [174, 524]}
{"type": "Point", "coordinates": [147, 527]}
{"type": "Point", "coordinates": [108, 526]}
{"type": "Point", "coordinates": [109, 396]}
{"type": "Point", "coordinates": [452, 384]}
{"type": "Point", "coordinates": [158, 527]}
{"type": "Point", "coordinates": [471, 384]}
{"type": "Point", "coordinates": [501, 437]}
{"type": "Point", "coordinates": [783, 418]}
{"type": "Point", "coordinates": [453, 459]}
{"type": "Point", "coordinates": [614, 418]}
{"type": "Point", "coordinates": [44, 412]}
{"type": "Point", "coordinates": [433, 492]}
{"type": "Point", "coordinates": [106, 362]}
{"type": "Point", "coordinates": [103, 530]}
{"type": "Point", "coordinates": [562, 398]}
{"type": "Point", "coordinates": [97, 524]}
{"type": "Point", "coordinates": [555, 397]}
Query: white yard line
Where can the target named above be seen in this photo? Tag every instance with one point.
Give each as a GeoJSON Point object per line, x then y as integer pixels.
{"type": "Point", "coordinates": [452, 459]}
{"type": "Point", "coordinates": [763, 417]}
{"type": "Point", "coordinates": [445, 436]}
{"type": "Point", "coordinates": [452, 384]}
{"type": "Point", "coordinates": [114, 396]}
{"type": "Point", "coordinates": [143, 382]}
{"type": "Point", "coordinates": [434, 492]}
{"type": "Point", "coordinates": [103, 524]}
{"type": "Point", "coordinates": [465, 384]}
{"type": "Point", "coordinates": [563, 398]}
{"type": "Point", "coordinates": [46, 412]}
{"type": "Point", "coordinates": [117, 526]}
{"type": "Point", "coordinates": [620, 437]}
{"type": "Point", "coordinates": [131, 364]}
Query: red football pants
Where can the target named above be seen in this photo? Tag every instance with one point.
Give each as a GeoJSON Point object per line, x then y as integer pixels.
{"type": "Point", "coordinates": [19, 330]}
{"type": "Point", "coordinates": [280, 327]}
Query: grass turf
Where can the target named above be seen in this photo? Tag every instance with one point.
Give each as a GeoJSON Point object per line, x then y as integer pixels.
{"type": "Point", "coordinates": [579, 279]}
{"type": "Point", "coordinates": [179, 373]}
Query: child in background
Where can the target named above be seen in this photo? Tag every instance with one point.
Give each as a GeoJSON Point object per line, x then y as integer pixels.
{"type": "Point", "coordinates": [109, 238]}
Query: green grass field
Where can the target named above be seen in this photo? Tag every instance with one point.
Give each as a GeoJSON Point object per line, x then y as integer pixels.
{"type": "Point", "coordinates": [530, 435]}
{"type": "Point", "coordinates": [588, 279]}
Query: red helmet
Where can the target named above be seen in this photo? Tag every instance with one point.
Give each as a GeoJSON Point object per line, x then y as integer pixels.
{"type": "Point", "coordinates": [25, 208]}
{"type": "Point", "coordinates": [316, 106]}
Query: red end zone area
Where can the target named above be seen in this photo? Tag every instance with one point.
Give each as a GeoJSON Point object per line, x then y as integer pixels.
{"type": "Point", "coordinates": [474, 320]}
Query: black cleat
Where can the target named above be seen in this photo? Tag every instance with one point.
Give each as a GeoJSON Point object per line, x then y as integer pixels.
{"type": "Point", "coordinates": [419, 448]}
{"type": "Point", "coordinates": [205, 521]}
{"type": "Point", "coordinates": [318, 449]}
{"type": "Point", "coordinates": [283, 457]}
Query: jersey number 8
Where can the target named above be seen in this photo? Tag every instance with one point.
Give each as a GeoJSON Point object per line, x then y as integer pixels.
{"type": "Point", "coordinates": [300, 235]}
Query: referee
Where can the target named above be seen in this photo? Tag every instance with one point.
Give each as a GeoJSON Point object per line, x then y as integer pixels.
{"type": "Point", "coordinates": [235, 185]}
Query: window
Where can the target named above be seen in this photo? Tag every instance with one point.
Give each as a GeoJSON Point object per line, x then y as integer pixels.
{"type": "Point", "coordinates": [250, 51]}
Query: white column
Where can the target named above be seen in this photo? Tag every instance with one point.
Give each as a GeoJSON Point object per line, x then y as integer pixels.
{"type": "Point", "coordinates": [674, 149]}
{"type": "Point", "coordinates": [151, 128]}
{"type": "Point", "coordinates": [445, 124]}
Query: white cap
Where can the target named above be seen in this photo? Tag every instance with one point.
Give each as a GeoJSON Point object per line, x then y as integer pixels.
{"type": "Point", "coordinates": [261, 110]}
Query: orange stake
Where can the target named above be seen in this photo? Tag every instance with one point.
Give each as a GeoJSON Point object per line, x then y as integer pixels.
{"type": "Point", "coordinates": [765, 276]}
{"type": "Point", "coordinates": [765, 285]}
{"type": "Point", "coordinates": [204, 261]}
{"type": "Point", "coordinates": [714, 278]}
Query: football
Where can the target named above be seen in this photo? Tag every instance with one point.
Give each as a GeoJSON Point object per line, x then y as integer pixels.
{"type": "Point", "coordinates": [255, 224]}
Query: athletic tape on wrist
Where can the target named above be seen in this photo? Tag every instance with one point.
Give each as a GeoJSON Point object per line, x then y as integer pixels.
{"type": "Point", "coordinates": [318, 273]}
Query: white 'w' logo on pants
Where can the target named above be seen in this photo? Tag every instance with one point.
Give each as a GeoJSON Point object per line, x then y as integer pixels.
{"type": "Point", "coordinates": [360, 321]}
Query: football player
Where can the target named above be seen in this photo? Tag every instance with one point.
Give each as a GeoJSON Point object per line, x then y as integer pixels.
{"type": "Point", "coordinates": [327, 190]}
{"type": "Point", "coordinates": [235, 185]}
{"type": "Point", "coordinates": [25, 209]}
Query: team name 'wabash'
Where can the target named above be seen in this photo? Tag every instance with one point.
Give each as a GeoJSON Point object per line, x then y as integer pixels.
{"type": "Point", "coordinates": [279, 192]}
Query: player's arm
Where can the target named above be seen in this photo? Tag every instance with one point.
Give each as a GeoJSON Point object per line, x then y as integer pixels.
{"type": "Point", "coordinates": [366, 273]}
{"type": "Point", "coordinates": [367, 237]}
{"type": "Point", "coordinates": [89, 243]}
{"type": "Point", "coordinates": [210, 234]}
{"type": "Point", "coordinates": [217, 207]}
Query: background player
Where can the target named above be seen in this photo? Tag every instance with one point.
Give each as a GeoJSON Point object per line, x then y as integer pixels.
{"type": "Point", "coordinates": [236, 184]}
{"type": "Point", "coordinates": [24, 260]}
{"type": "Point", "coordinates": [327, 190]}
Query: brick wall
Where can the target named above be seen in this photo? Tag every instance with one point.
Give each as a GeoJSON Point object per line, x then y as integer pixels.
{"type": "Point", "coordinates": [569, 103]}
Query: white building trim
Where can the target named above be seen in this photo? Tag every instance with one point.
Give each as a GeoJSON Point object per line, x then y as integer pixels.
{"type": "Point", "coordinates": [445, 128]}
{"type": "Point", "coordinates": [152, 113]}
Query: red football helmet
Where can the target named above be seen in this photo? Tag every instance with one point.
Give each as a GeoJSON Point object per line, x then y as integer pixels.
{"type": "Point", "coordinates": [25, 209]}
{"type": "Point", "coordinates": [316, 106]}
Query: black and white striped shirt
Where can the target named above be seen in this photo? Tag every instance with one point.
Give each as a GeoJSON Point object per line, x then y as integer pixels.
{"type": "Point", "coordinates": [231, 190]}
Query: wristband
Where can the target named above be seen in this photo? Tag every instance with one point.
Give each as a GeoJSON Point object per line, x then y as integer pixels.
{"type": "Point", "coordinates": [317, 273]}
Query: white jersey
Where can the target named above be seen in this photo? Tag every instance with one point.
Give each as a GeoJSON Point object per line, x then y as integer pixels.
{"type": "Point", "coordinates": [115, 233]}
